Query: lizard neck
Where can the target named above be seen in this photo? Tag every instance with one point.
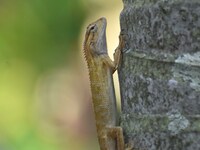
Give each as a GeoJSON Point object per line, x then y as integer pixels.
{"type": "Point", "coordinates": [87, 55]}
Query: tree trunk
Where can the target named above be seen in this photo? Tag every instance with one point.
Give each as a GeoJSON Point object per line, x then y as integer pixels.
{"type": "Point", "coordinates": [160, 74]}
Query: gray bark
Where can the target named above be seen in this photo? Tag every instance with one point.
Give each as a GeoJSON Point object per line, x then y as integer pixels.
{"type": "Point", "coordinates": [160, 74]}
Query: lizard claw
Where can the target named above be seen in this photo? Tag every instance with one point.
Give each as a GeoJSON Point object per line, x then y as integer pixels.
{"type": "Point", "coordinates": [129, 146]}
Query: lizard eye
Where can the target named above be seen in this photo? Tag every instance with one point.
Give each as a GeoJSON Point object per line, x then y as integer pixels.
{"type": "Point", "coordinates": [93, 28]}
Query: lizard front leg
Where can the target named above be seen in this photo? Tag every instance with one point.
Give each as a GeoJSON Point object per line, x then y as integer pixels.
{"type": "Point", "coordinates": [108, 62]}
{"type": "Point", "coordinates": [118, 52]}
{"type": "Point", "coordinates": [117, 58]}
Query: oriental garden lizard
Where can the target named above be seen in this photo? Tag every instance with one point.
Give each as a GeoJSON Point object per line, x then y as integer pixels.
{"type": "Point", "coordinates": [101, 68]}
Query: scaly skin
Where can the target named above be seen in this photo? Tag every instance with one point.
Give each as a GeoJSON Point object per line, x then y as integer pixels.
{"type": "Point", "coordinates": [101, 68]}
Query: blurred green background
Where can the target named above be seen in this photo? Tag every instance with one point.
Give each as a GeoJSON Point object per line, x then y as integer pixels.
{"type": "Point", "coordinates": [45, 101]}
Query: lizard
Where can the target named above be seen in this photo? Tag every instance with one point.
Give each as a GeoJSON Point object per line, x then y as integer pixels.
{"type": "Point", "coordinates": [101, 68]}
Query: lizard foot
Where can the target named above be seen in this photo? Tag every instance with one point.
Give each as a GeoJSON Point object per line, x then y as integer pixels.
{"type": "Point", "coordinates": [129, 146]}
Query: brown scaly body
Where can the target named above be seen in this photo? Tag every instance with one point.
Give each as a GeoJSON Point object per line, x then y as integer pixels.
{"type": "Point", "coordinates": [101, 68]}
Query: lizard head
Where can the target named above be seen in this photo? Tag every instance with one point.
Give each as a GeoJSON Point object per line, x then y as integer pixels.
{"type": "Point", "coordinates": [95, 38]}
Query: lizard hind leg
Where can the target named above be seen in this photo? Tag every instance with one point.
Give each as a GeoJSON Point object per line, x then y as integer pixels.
{"type": "Point", "coordinates": [117, 133]}
{"type": "Point", "coordinates": [129, 146]}
{"type": "Point", "coordinates": [107, 143]}
{"type": "Point", "coordinates": [103, 143]}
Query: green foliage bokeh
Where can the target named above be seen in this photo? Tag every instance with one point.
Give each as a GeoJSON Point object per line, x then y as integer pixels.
{"type": "Point", "coordinates": [35, 35]}
{"type": "Point", "coordinates": [42, 32]}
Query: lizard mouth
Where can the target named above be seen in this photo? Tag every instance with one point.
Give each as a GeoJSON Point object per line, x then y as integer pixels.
{"type": "Point", "coordinates": [103, 19]}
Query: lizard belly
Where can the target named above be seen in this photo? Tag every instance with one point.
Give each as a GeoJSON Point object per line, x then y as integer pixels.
{"type": "Point", "coordinates": [104, 101]}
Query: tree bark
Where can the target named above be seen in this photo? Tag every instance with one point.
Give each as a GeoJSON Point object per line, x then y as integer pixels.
{"type": "Point", "coordinates": [160, 74]}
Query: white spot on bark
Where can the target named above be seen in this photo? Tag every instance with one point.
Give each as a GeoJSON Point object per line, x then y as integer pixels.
{"type": "Point", "coordinates": [130, 94]}
{"type": "Point", "coordinates": [172, 84]}
{"type": "Point", "coordinates": [194, 85]}
{"type": "Point", "coordinates": [190, 59]}
{"type": "Point", "coordinates": [150, 85]}
{"type": "Point", "coordinates": [177, 122]}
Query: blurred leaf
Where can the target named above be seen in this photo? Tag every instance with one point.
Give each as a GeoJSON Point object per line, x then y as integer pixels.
{"type": "Point", "coordinates": [35, 35]}
{"type": "Point", "coordinates": [43, 32]}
